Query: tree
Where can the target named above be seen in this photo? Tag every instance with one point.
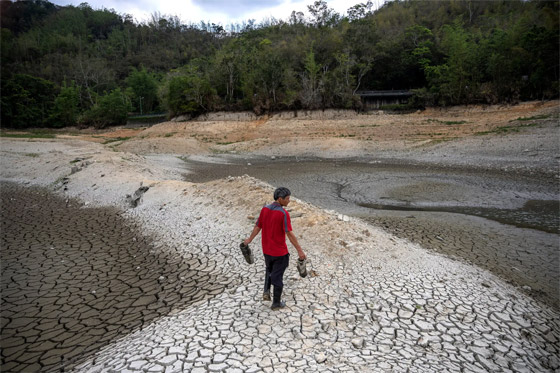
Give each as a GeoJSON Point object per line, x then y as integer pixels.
{"type": "Point", "coordinates": [322, 15]}
{"type": "Point", "coordinates": [456, 80]}
{"type": "Point", "coordinates": [110, 109]}
{"type": "Point", "coordinates": [66, 106]}
{"type": "Point", "coordinates": [26, 101]}
{"type": "Point", "coordinates": [450, 51]}
{"type": "Point", "coordinates": [361, 40]}
{"type": "Point", "coordinates": [187, 91]}
{"type": "Point", "coordinates": [142, 90]}
{"type": "Point", "coordinates": [309, 95]}
{"type": "Point", "coordinates": [360, 11]}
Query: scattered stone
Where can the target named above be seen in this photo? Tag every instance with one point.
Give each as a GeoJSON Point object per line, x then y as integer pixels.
{"type": "Point", "coordinates": [320, 358]}
{"type": "Point", "coordinates": [134, 200]}
{"type": "Point", "coordinates": [358, 343]}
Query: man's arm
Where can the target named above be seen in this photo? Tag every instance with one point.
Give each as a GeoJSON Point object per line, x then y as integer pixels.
{"type": "Point", "coordinates": [256, 231]}
{"type": "Point", "coordinates": [294, 241]}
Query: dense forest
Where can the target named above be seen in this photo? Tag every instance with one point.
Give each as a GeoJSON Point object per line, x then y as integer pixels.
{"type": "Point", "coordinates": [67, 65]}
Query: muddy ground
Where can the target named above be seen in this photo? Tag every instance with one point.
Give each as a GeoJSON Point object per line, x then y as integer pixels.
{"type": "Point", "coordinates": [74, 279]}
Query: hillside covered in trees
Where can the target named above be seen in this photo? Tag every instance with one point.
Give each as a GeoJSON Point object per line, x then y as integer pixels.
{"type": "Point", "coordinates": [66, 65]}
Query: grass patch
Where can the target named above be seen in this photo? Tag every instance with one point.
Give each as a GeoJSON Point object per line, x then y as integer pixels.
{"type": "Point", "coordinates": [523, 119]}
{"type": "Point", "coordinates": [28, 135]}
{"type": "Point", "coordinates": [447, 122]}
{"type": "Point", "coordinates": [147, 119]}
{"type": "Point", "coordinates": [115, 139]}
{"type": "Point", "coordinates": [169, 134]}
{"type": "Point", "coordinates": [505, 129]}
{"type": "Point", "coordinates": [442, 140]}
{"type": "Point", "coordinates": [32, 155]}
{"type": "Point", "coordinates": [452, 123]}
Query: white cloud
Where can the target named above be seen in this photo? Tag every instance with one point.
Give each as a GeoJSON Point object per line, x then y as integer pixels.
{"type": "Point", "coordinates": [222, 12]}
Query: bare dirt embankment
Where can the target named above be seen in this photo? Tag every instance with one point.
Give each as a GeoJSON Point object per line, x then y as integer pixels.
{"type": "Point", "coordinates": [526, 133]}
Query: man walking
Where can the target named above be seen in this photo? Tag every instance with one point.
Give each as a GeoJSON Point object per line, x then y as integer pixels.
{"type": "Point", "coordinates": [275, 224]}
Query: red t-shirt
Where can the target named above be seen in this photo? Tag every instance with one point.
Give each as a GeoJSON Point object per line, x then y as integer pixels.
{"type": "Point", "coordinates": [274, 222]}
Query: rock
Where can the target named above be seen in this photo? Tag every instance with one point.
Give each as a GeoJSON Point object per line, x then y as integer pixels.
{"type": "Point", "coordinates": [358, 343]}
{"type": "Point", "coordinates": [423, 342]}
{"type": "Point", "coordinates": [134, 200]}
{"type": "Point", "coordinates": [320, 358]}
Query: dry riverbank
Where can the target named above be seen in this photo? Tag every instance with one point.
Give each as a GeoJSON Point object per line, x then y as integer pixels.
{"type": "Point", "coordinates": [378, 303]}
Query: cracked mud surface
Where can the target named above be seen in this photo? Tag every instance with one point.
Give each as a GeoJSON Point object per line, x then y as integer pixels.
{"type": "Point", "coordinates": [378, 303]}
{"type": "Point", "coordinates": [505, 222]}
{"type": "Point", "coordinates": [75, 278]}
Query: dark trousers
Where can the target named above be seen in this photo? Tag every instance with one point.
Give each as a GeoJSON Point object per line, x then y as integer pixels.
{"type": "Point", "coordinates": [275, 268]}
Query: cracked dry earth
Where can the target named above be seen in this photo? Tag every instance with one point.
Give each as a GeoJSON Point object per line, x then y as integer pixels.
{"type": "Point", "coordinates": [377, 304]}
{"type": "Point", "coordinates": [163, 287]}
{"type": "Point", "coordinates": [185, 300]}
{"type": "Point", "coordinates": [74, 279]}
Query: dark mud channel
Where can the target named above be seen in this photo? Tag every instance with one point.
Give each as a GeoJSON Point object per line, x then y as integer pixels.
{"type": "Point", "coordinates": [505, 222]}
{"type": "Point", "coordinates": [75, 279]}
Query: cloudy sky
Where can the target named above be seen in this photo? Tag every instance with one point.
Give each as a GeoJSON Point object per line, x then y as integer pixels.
{"type": "Point", "coordinates": [216, 11]}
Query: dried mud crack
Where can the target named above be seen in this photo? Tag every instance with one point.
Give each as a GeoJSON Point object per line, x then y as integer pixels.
{"type": "Point", "coordinates": [74, 279]}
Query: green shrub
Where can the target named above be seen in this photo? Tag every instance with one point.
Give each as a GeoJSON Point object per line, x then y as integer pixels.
{"type": "Point", "coordinates": [66, 107]}
{"type": "Point", "coordinates": [111, 109]}
{"type": "Point", "coordinates": [26, 101]}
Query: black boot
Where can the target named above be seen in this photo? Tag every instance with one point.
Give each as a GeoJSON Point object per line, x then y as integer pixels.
{"type": "Point", "coordinates": [277, 301]}
{"type": "Point", "coordinates": [266, 293]}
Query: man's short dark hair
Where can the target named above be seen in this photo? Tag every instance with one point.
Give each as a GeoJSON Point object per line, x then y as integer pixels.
{"type": "Point", "coordinates": [281, 193]}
